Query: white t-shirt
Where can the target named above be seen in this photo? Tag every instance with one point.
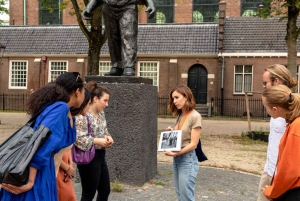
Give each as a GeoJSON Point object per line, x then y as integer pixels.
{"type": "Point", "coordinates": [277, 128]}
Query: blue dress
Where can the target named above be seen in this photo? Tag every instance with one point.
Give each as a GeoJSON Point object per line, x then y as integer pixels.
{"type": "Point", "coordinates": [63, 135]}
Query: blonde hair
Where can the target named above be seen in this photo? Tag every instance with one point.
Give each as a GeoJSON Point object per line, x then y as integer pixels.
{"type": "Point", "coordinates": [190, 104]}
{"type": "Point", "coordinates": [282, 73]}
{"type": "Point", "coordinates": [282, 96]}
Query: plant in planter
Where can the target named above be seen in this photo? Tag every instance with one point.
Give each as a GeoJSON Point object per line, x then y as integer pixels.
{"type": "Point", "coordinates": [259, 135]}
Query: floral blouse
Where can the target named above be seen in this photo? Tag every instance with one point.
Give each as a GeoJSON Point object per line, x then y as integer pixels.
{"type": "Point", "coordinates": [84, 141]}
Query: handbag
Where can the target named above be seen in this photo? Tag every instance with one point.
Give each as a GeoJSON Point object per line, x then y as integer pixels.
{"type": "Point", "coordinates": [17, 151]}
{"type": "Point", "coordinates": [199, 153]}
{"type": "Point", "coordinates": [84, 157]}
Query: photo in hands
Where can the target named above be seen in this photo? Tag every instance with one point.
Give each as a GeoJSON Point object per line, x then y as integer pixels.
{"type": "Point", "coordinates": [170, 140]}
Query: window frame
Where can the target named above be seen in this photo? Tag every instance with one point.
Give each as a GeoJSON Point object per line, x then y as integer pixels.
{"type": "Point", "coordinates": [170, 8]}
{"type": "Point", "coordinates": [102, 72]}
{"type": "Point", "coordinates": [139, 71]}
{"type": "Point", "coordinates": [10, 75]}
{"type": "Point", "coordinates": [250, 4]}
{"type": "Point", "coordinates": [243, 81]}
{"type": "Point", "coordinates": [50, 70]}
{"type": "Point", "coordinates": [196, 5]}
{"type": "Point", "coordinates": [41, 10]}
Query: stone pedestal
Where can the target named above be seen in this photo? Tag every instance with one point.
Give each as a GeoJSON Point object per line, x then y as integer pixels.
{"type": "Point", "coordinates": [132, 121]}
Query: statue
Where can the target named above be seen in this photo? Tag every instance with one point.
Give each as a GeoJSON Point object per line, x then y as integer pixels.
{"type": "Point", "coordinates": [121, 26]}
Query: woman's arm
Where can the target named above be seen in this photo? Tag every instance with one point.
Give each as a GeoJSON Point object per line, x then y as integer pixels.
{"type": "Point", "coordinates": [21, 189]}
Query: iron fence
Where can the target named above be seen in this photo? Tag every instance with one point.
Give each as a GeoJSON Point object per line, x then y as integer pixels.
{"type": "Point", "coordinates": [235, 107]}
{"type": "Point", "coordinates": [229, 107]}
{"type": "Point", "coordinates": [13, 102]}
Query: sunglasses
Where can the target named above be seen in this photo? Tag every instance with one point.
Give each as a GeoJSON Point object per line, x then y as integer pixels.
{"type": "Point", "coordinates": [77, 75]}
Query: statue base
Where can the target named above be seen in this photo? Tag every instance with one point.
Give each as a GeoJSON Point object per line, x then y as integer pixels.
{"type": "Point", "coordinates": [132, 121]}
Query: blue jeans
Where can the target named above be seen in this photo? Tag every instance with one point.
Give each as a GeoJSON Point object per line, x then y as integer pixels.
{"type": "Point", "coordinates": [185, 168]}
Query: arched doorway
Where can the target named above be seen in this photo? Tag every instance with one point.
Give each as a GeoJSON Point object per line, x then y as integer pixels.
{"type": "Point", "coordinates": [197, 82]}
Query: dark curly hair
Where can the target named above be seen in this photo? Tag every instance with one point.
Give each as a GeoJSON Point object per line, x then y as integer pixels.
{"type": "Point", "coordinates": [59, 90]}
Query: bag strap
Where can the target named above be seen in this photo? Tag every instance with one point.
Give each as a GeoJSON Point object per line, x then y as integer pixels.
{"type": "Point", "coordinates": [32, 120]}
{"type": "Point", "coordinates": [89, 126]}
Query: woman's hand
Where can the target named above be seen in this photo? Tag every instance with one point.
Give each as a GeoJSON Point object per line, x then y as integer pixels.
{"type": "Point", "coordinates": [109, 140]}
{"type": "Point", "coordinates": [169, 128]}
{"type": "Point", "coordinates": [102, 142]}
{"type": "Point", "coordinates": [18, 189]}
{"type": "Point", "coordinates": [70, 173]}
{"type": "Point", "coordinates": [170, 153]}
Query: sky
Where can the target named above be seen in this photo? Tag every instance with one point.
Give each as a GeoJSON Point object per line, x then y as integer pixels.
{"type": "Point", "coordinates": [5, 17]}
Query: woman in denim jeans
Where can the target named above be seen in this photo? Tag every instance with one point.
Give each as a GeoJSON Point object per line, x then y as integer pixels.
{"type": "Point", "coordinates": [185, 162]}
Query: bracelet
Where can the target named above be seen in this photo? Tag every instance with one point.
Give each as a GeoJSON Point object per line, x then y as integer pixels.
{"type": "Point", "coordinates": [68, 169]}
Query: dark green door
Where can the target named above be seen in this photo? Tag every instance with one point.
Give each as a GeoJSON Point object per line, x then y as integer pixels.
{"type": "Point", "coordinates": [197, 82]}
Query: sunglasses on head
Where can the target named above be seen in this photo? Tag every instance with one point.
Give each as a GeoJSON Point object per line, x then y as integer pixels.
{"type": "Point", "coordinates": [77, 75]}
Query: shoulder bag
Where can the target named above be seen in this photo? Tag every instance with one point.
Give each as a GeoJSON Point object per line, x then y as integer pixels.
{"type": "Point", "coordinates": [17, 151]}
{"type": "Point", "coordinates": [84, 157]}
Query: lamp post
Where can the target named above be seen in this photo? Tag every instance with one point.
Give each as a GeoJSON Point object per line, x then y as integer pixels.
{"type": "Point", "coordinates": [2, 49]}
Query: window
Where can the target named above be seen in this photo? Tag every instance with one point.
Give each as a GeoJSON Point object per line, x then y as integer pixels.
{"type": "Point", "coordinates": [149, 70]}
{"type": "Point", "coordinates": [242, 78]}
{"type": "Point", "coordinates": [205, 11]}
{"type": "Point", "coordinates": [104, 67]}
{"type": "Point", "coordinates": [164, 12]}
{"type": "Point", "coordinates": [249, 7]}
{"type": "Point", "coordinates": [56, 69]}
{"type": "Point", "coordinates": [18, 75]}
{"type": "Point", "coordinates": [50, 16]}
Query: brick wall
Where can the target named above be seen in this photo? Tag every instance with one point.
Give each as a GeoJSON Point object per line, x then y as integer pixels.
{"type": "Point", "coordinates": [259, 65]}
{"type": "Point", "coordinates": [16, 12]}
{"type": "Point", "coordinates": [233, 8]}
{"type": "Point", "coordinates": [183, 11]}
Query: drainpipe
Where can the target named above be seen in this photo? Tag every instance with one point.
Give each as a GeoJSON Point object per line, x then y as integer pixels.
{"type": "Point", "coordinates": [24, 12]}
{"type": "Point", "coordinates": [222, 83]}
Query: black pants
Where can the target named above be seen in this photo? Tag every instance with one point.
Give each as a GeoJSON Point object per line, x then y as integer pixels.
{"type": "Point", "coordinates": [121, 28]}
{"type": "Point", "coordinates": [95, 177]}
{"type": "Point", "coordinates": [290, 195]}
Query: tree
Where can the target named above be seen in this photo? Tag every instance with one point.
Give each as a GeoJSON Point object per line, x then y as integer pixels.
{"type": "Point", "coordinates": [286, 9]}
{"type": "Point", "coordinates": [93, 31]}
{"type": "Point", "coordinates": [3, 10]}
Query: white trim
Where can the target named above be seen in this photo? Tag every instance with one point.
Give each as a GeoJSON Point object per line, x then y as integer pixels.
{"type": "Point", "coordinates": [138, 70]}
{"type": "Point", "coordinates": [10, 71]}
{"type": "Point", "coordinates": [80, 60]}
{"type": "Point", "coordinates": [253, 54]}
{"type": "Point", "coordinates": [184, 75]}
{"type": "Point", "coordinates": [108, 56]}
{"type": "Point", "coordinates": [173, 61]}
{"type": "Point", "coordinates": [37, 60]}
{"type": "Point", "coordinates": [49, 68]}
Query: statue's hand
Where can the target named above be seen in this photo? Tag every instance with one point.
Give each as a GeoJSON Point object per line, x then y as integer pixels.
{"type": "Point", "coordinates": [86, 15]}
{"type": "Point", "coordinates": [151, 11]}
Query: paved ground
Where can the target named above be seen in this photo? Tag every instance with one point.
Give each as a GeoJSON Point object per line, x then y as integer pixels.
{"type": "Point", "coordinates": [212, 184]}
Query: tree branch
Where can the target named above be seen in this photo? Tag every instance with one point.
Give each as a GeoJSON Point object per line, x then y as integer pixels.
{"type": "Point", "coordinates": [79, 19]}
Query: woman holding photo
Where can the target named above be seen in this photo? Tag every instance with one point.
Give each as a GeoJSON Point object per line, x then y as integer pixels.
{"type": "Point", "coordinates": [185, 161]}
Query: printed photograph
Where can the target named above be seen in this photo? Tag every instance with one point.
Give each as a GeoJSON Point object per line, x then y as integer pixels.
{"type": "Point", "coordinates": [170, 140]}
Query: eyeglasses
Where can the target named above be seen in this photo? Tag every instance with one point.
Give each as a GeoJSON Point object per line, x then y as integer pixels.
{"type": "Point", "coordinates": [77, 74]}
{"type": "Point", "coordinates": [265, 83]}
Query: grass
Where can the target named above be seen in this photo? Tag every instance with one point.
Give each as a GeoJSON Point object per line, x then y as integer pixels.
{"type": "Point", "coordinates": [117, 187]}
{"type": "Point", "coordinates": [160, 183]}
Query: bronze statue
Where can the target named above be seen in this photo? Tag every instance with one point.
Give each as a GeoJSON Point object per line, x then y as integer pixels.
{"type": "Point", "coordinates": [121, 26]}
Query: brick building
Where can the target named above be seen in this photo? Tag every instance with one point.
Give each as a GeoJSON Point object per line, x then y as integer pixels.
{"type": "Point", "coordinates": [216, 48]}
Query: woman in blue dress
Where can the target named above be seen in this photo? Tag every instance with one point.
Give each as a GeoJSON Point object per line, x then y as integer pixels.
{"type": "Point", "coordinates": [56, 99]}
